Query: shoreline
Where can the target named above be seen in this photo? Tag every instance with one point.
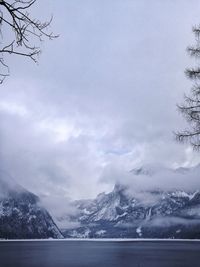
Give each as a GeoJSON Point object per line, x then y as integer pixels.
{"type": "Point", "coordinates": [102, 240]}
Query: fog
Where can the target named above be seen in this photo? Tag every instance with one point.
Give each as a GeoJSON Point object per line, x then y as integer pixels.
{"type": "Point", "coordinates": [101, 101]}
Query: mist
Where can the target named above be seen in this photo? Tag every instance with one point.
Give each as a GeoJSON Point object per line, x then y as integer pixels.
{"type": "Point", "coordinates": [101, 102]}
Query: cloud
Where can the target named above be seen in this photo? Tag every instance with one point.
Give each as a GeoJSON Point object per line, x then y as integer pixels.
{"type": "Point", "coordinates": [102, 99]}
{"type": "Point", "coordinates": [172, 221]}
{"type": "Point", "coordinates": [140, 182]}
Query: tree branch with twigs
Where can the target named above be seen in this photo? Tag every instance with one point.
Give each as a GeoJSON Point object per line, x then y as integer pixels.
{"type": "Point", "coordinates": [23, 30]}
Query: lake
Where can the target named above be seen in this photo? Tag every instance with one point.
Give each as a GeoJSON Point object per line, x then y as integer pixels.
{"type": "Point", "coordinates": [66, 253]}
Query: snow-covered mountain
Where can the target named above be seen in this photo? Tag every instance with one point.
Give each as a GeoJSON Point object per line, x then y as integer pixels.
{"type": "Point", "coordinates": [147, 214]}
{"type": "Point", "coordinates": [21, 215]}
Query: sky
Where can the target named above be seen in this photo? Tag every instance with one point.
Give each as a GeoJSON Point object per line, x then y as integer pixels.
{"type": "Point", "coordinates": [102, 99]}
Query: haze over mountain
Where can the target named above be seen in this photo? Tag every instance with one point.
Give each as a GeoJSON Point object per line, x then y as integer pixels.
{"type": "Point", "coordinates": [102, 99]}
{"type": "Point", "coordinates": [151, 212]}
{"type": "Point", "coordinates": [108, 100]}
{"type": "Point", "coordinates": [142, 205]}
{"type": "Point", "coordinates": [21, 214]}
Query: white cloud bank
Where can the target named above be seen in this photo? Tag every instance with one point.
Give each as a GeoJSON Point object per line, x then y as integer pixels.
{"type": "Point", "coordinates": [102, 100]}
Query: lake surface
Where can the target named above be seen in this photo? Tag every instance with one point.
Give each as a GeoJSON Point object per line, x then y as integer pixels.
{"type": "Point", "coordinates": [99, 254]}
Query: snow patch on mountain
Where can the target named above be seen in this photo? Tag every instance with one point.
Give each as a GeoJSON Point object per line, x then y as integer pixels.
{"type": "Point", "coordinates": [21, 213]}
{"type": "Point", "coordinates": [131, 211]}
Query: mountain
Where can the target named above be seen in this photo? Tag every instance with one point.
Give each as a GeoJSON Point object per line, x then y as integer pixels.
{"type": "Point", "coordinates": [21, 215]}
{"type": "Point", "coordinates": [145, 214]}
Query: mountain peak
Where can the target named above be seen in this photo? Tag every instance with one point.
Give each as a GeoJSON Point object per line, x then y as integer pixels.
{"type": "Point", "coordinates": [21, 215]}
{"type": "Point", "coordinates": [119, 188]}
{"type": "Point", "coordinates": [152, 214]}
{"type": "Point", "coordinates": [148, 169]}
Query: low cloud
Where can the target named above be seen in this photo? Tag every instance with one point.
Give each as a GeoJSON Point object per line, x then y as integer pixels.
{"type": "Point", "coordinates": [80, 121]}
{"type": "Point", "coordinates": [172, 221]}
{"type": "Point", "coordinates": [154, 177]}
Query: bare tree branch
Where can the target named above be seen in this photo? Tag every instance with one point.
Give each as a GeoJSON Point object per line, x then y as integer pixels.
{"type": "Point", "coordinates": [26, 32]}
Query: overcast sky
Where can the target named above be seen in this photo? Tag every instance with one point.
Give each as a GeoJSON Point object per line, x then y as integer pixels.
{"type": "Point", "coordinates": [102, 98]}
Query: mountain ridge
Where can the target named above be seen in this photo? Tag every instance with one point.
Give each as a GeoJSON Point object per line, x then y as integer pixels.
{"type": "Point", "coordinates": [21, 214]}
{"type": "Point", "coordinates": [158, 213]}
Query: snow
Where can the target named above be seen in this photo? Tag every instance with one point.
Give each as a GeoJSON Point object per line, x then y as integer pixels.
{"type": "Point", "coordinates": [180, 194]}
{"type": "Point", "coordinates": [191, 196]}
{"type": "Point", "coordinates": [194, 211]}
{"type": "Point", "coordinates": [75, 234]}
{"type": "Point", "coordinates": [100, 232]}
{"type": "Point", "coordinates": [139, 231]}
{"type": "Point", "coordinates": [121, 215]}
{"type": "Point", "coordinates": [148, 216]}
{"type": "Point", "coordinates": [108, 212]}
{"type": "Point", "coordinates": [183, 194]}
{"type": "Point", "coordinates": [85, 211]}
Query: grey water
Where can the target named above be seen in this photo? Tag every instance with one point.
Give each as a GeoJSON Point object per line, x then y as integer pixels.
{"type": "Point", "coordinates": [99, 254]}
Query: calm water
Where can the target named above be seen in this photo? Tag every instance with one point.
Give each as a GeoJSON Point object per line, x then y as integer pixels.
{"type": "Point", "coordinates": [96, 254]}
